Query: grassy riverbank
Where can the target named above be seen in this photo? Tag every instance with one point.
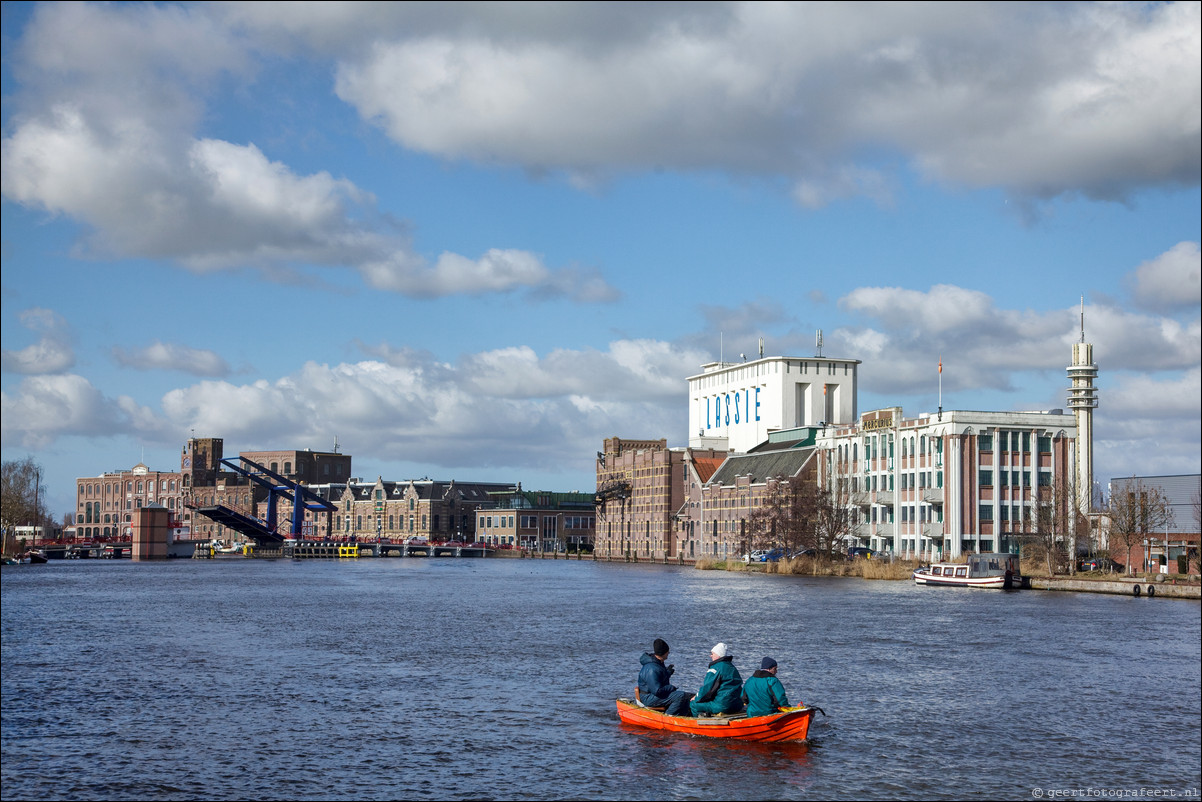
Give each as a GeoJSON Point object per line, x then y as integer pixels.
{"type": "Point", "coordinates": [808, 566]}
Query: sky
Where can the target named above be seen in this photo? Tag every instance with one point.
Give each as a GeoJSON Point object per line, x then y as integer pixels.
{"type": "Point", "coordinates": [471, 241]}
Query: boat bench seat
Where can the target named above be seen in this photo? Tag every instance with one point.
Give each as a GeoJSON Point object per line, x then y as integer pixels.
{"type": "Point", "coordinates": [639, 701]}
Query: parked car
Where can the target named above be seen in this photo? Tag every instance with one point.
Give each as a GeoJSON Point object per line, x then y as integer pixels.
{"type": "Point", "coordinates": [755, 556]}
{"type": "Point", "coordinates": [860, 551]}
{"type": "Point", "coordinates": [774, 555]}
{"type": "Point", "coordinates": [1099, 564]}
{"type": "Point", "coordinates": [805, 553]}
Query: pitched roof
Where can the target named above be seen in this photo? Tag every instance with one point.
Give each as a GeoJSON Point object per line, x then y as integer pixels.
{"type": "Point", "coordinates": [761, 465]}
{"type": "Point", "coordinates": [707, 466]}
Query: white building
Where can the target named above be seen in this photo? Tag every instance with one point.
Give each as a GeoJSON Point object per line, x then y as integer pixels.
{"type": "Point", "coordinates": [947, 483]}
{"type": "Point", "coordinates": [736, 405]}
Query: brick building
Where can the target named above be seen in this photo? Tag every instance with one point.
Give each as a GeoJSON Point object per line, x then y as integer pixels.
{"type": "Point", "coordinates": [540, 520]}
{"type": "Point", "coordinates": [641, 491]}
{"type": "Point", "coordinates": [425, 508]}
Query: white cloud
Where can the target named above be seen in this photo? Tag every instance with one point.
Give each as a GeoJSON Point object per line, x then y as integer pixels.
{"type": "Point", "coordinates": [501, 407]}
{"type": "Point", "coordinates": [1149, 426]}
{"type": "Point", "coordinates": [49, 407]}
{"type": "Point", "coordinates": [630, 371]}
{"type": "Point", "coordinates": [108, 139]}
{"type": "Point", "coordinates": [1043, 100]}
{"type": "Point", "coordinates": [169, 356]}
{"type": "Point", "coordinates": [986, 347]}
{"type": "Point", "coordinates": [506, 407]}
{"type": "Point", "coordinates": [1171, 281]}
{"type": "Point", "coordinates": [52, 353]}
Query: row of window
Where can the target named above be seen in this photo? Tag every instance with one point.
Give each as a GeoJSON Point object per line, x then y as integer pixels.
{"type": "Point", "coordinates": [90, 489]}
{"type": "Point", "coordinates": [1013, 478]}
{"type": "Point", "coordinates": [345, 521]}
{"type": "Point", "coordinates": [1014, 441]}
{"type": "Point", "coordinates": [91, 513]}
{"type": "Point", "coordinates": [1008, 512]}
{"type": "Point", "coordinates": [346, 505]}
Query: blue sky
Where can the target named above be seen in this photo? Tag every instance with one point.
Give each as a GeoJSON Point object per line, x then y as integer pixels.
{"type": "Point", "coordinates": [473, 240]}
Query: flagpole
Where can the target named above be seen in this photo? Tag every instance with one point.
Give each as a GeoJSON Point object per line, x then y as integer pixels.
{"type": "Point", "coordinates": [940, 388]}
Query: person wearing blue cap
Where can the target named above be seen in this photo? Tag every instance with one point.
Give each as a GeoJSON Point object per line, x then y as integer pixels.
{"type": "Point", "coordinates": [762, 692]}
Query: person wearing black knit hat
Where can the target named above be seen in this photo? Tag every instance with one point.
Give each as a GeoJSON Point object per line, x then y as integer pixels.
{"type": "Point", "coordinates": [655, 686]}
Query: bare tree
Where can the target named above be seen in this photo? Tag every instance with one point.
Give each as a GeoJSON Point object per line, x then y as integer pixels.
{"type": "Point", "coordinates": [1052, 525]}
{"type": "Point", "coordinates": [1196, 507]}
{"type": "Point", "coordinates": [22, 496]}
{"type": "Point", "coordinates": [1137, 511]}
{"type": "Point", "coordinates": [769, 525]}
{"type": "Point", "coordinates": [796, 514]}
{"type": "Point", "coordinates": [836, 518]}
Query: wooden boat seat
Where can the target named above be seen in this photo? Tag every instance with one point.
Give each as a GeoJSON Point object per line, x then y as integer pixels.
{"type": "Point", "coordinates": [639, 701]}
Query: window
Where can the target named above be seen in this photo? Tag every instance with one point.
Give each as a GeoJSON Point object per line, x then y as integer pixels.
{"type": "Point", "coordinates": [985, 442]}
{"type": "Point", "coordinates": [985, 479]}
{"type": "Point", "coordinates": [1045, 444]}
{"type": "Point", "coordinates": [986, 512]}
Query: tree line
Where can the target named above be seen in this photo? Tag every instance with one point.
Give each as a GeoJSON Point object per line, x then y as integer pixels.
{"type": "Point", "coordinates": [23, 496]}
{"type": "Point", "coordinates": [798, 515]}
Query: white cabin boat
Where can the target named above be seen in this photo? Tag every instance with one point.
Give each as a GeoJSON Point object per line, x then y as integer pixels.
{"type": "Point", "coordinates": [996, 570]}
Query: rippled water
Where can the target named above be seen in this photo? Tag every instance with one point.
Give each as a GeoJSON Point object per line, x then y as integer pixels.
{"type": "Point", "coordinates": [486, 679]}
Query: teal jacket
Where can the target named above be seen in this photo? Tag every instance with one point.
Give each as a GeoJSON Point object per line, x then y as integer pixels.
{"type": "Point", "coordinates": [764, 694]}
{"type": "Point", "coordinates": [722, 685]}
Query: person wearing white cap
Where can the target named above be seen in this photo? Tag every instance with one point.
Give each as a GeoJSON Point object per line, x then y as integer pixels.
{"type": "Point", "coordinates": [721, 690]}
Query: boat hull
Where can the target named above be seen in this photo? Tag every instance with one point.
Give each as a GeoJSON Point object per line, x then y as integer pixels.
{"type": "Point", "coordinates": [793, 725]}
{"type": "Point", "coordinates": [987, 582]}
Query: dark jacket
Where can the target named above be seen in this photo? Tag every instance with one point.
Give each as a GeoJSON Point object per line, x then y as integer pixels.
{"type": "Point", "coordinates": [654, 681]}
{"type": "Point", "coordinates": [722, 685]}
{"type": "Point", "coordinates": [764, 694]}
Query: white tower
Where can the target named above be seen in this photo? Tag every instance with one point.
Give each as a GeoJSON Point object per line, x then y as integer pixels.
{"type": "Point", "coordinates": [1083, 399]}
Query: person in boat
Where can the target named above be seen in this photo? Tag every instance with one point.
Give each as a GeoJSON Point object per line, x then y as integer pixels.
{"type": "Point", "coordinates": [721, 690]}
{"type": "Point", "coordinates": [655, 686]}
{"type": "Point", "coordinates": [762, 692]}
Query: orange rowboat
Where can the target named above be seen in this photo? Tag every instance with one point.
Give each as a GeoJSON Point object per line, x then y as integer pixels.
{"type": "Point", "coordinates": [792, 724]}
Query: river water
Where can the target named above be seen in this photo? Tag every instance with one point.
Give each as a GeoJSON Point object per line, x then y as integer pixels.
{"type": "Point", "coordinates": [495, 679]}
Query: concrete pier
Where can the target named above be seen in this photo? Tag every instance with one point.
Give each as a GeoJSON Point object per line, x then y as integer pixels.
{"type": "Point", "coordinates": [1134, 586]}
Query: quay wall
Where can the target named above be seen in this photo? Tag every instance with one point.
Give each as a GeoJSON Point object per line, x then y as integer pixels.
{"type": "Point", "coordinates": [1125, 587]}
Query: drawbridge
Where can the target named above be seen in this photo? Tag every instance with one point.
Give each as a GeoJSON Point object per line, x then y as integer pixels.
{"type": "Point", "coordinates": [267, 532]}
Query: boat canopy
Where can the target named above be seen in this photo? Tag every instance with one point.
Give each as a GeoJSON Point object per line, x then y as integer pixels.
{"type": "Point", "coordinates": [993, 564]}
